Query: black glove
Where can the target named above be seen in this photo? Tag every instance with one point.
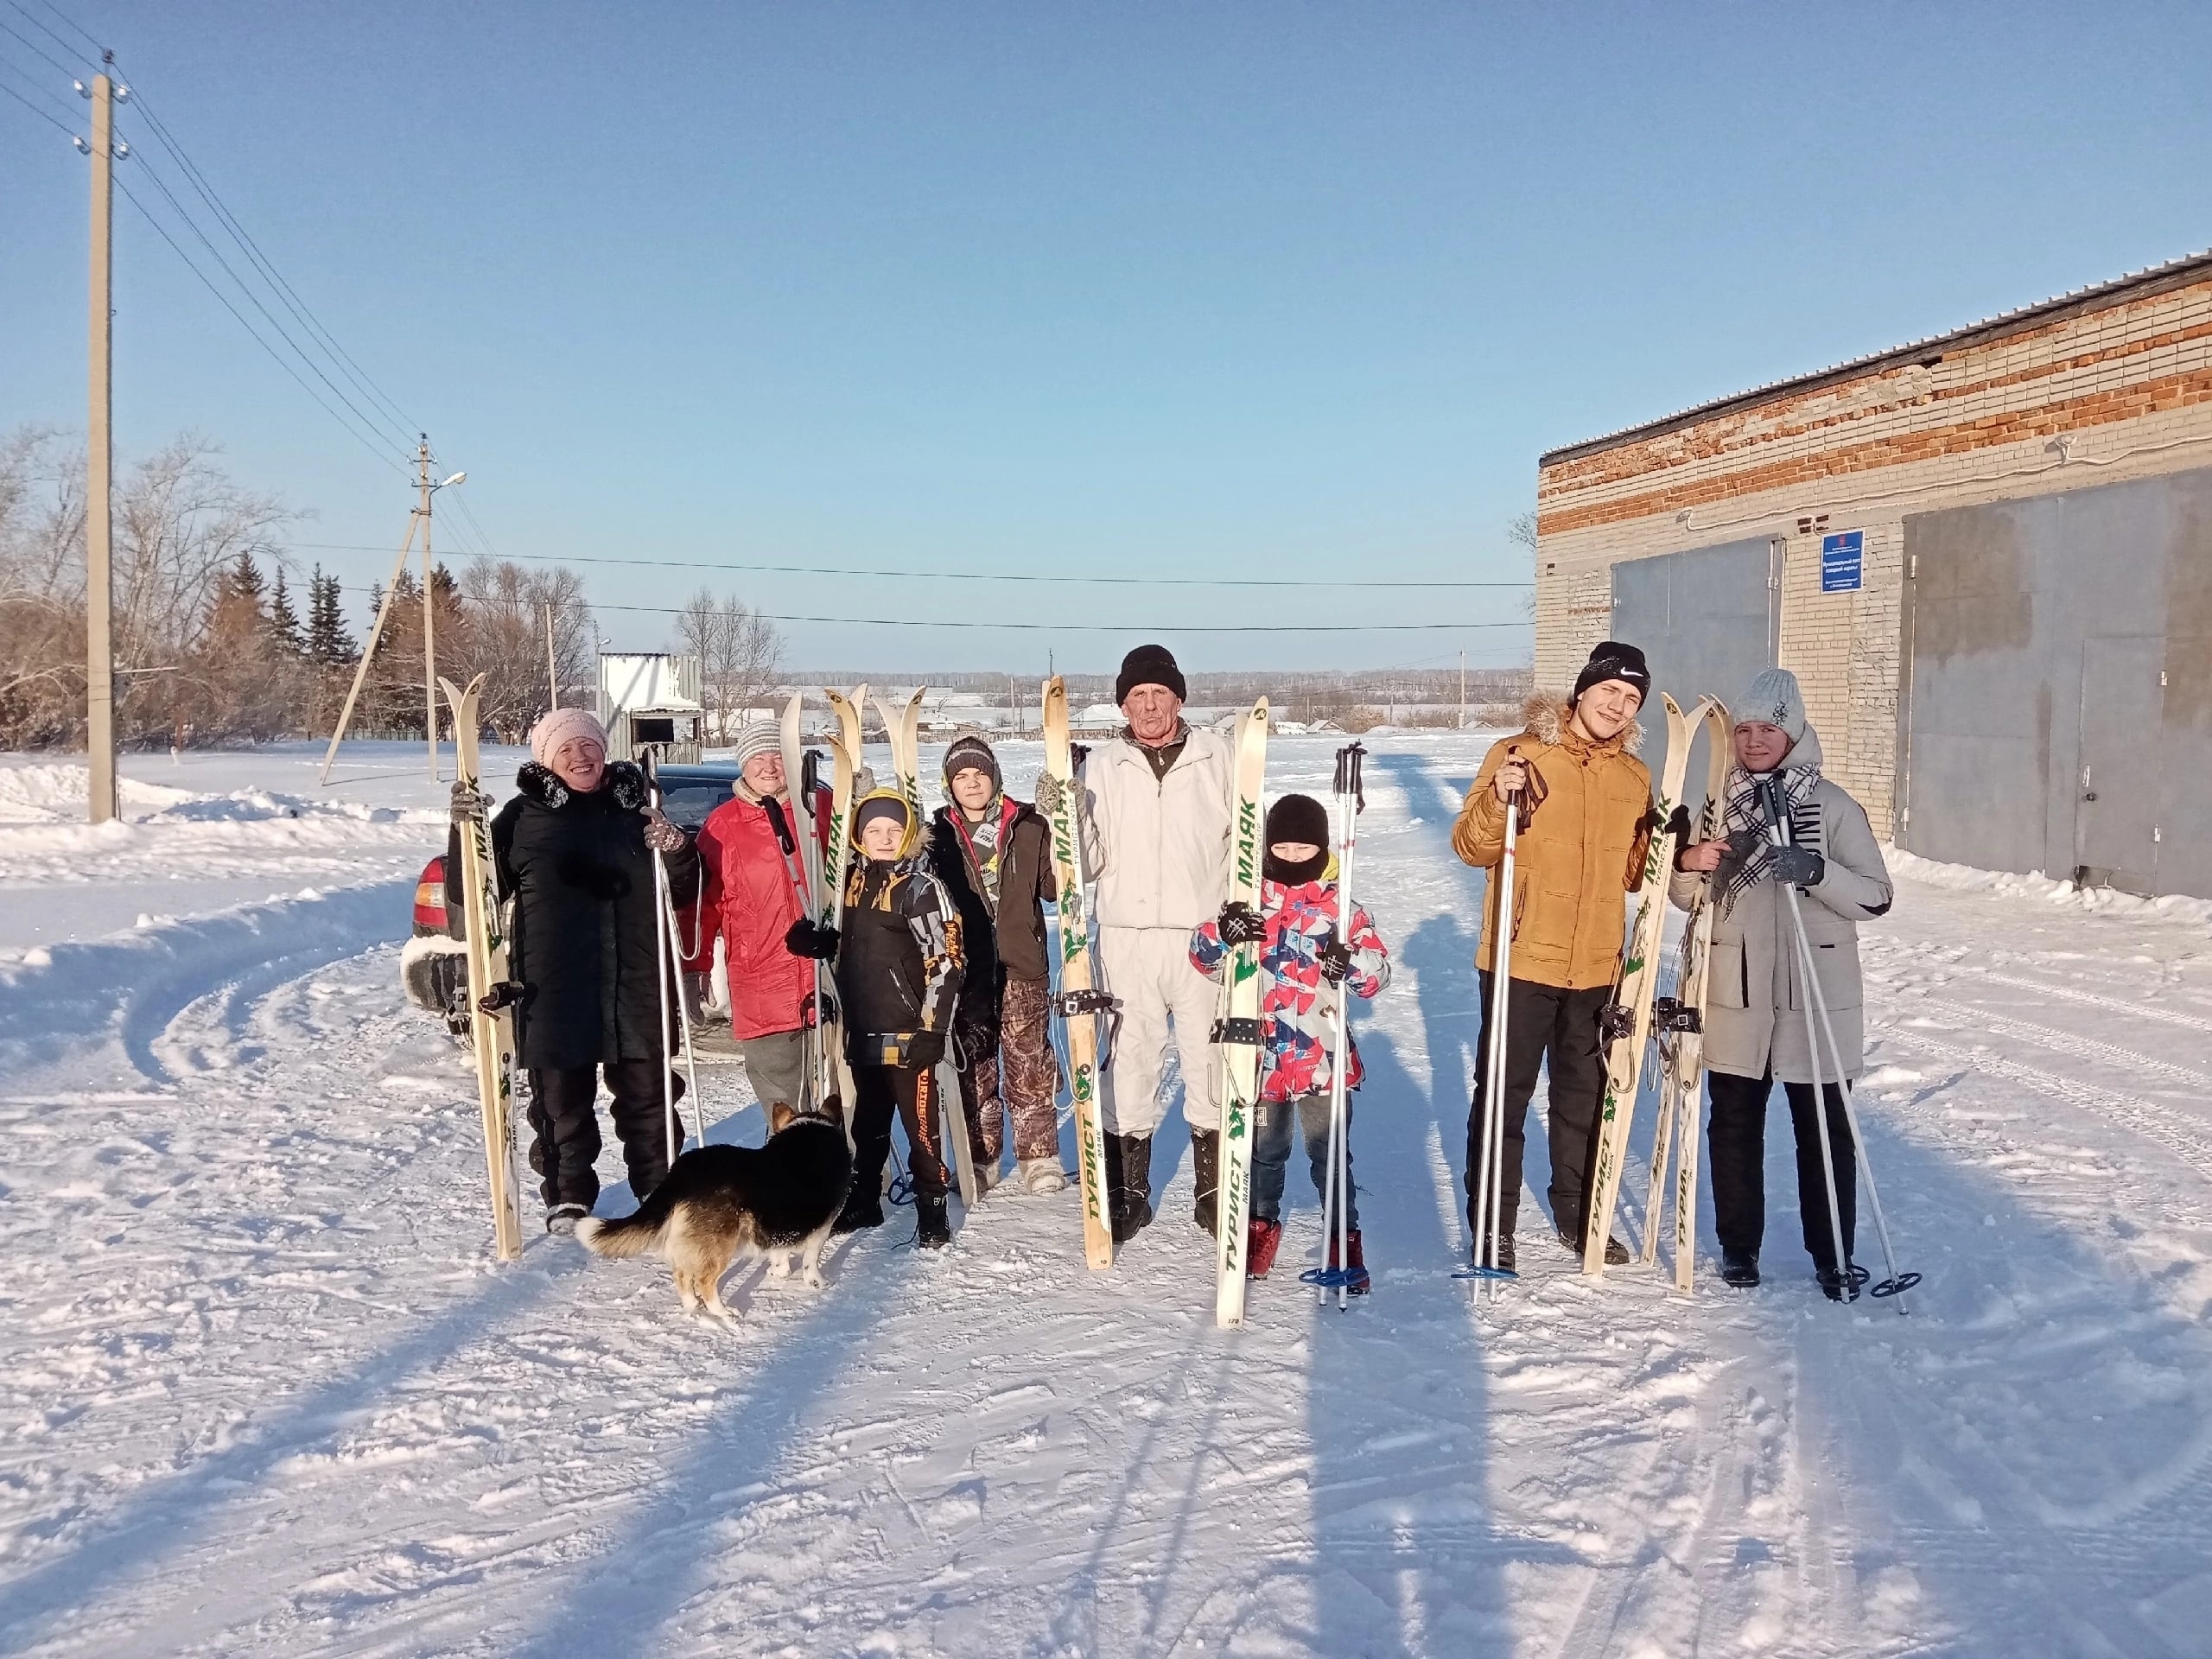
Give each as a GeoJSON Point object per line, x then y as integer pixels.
{"type": "Point", "coordinates": [1241, 924]}
{"type": "Point", "coordinates": [1336, 961]}
{"type": "Point", "coordinates": [1801, 866]}
{"type": "Point", "coordinates": [1049, 793]}
{"type": "Point", "coordinates": [924, 1049]}
{"type": "Point", "coordinates": [804, 939]}
{"type": "Point", "coordinates": [467, 803]}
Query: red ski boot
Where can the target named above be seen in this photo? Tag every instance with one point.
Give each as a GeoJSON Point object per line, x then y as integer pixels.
{"type": "Point", "coordinates": [1354, 1269]}
{"type": "Point", "coordinates": [1261, 1239]}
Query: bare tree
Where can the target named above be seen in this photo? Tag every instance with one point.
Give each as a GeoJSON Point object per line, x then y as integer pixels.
{"type": "Point", "coordinates": [182, 529]}
{"type": "Point", "coordinates": [741, 657]}
{"type": "Point", "coordinates": [502, 637]}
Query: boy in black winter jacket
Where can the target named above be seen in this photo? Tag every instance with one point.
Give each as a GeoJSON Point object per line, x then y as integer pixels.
{"type": "Point", "coordinates": [994, 855]}
{"type": "Point", "coordinates": [898, 963]}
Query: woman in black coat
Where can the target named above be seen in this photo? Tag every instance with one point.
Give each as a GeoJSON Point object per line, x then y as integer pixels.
{"type": "Point", "coordinates": [575, 846]}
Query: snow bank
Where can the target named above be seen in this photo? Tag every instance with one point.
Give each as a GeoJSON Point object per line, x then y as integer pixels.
{"type": "Point", "coordinates": [2039, 888]}
{"type": "Point", "coordinates": [53, 997]}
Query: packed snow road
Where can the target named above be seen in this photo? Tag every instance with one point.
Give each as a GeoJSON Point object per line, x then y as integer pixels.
{"type": "Point", "coordinates": [264, 1392]}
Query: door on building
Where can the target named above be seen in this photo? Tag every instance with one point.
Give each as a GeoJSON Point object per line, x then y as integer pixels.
{"type": "Point", "coordinates": [1706, 620]}
{"type": "Point", "coordinates": [2117, 791]}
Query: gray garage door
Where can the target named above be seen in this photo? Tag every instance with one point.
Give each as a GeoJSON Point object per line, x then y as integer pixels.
{"type": "Point", "coordinates": [2058, 714]}
{"type": "Point", "coordinates": [1706, 620]}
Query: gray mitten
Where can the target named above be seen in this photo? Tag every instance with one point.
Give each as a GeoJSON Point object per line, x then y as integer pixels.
{"type": "Point", "coordinates": [1051, 792]}
{"type": "Point", "coordinates": [467, 803]}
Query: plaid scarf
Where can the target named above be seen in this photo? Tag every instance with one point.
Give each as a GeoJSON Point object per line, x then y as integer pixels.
{"type": "Point", "coordinates": [1749, 837]}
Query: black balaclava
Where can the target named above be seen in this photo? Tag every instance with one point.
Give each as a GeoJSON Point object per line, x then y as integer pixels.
{"type": "Point", "coordinates": [1296, 817]}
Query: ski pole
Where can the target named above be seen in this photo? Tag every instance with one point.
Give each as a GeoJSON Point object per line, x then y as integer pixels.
{"type": "Point", "coordinates": [661, 975]}
{"type": "Point", "coordinates": [1337, 1161]}
{"type": "Point", "coordinates": [1771, 793]}
{"type": "Point", "coordinates": [1898, 1283]}
{"type": "Point", "coordinates": [1490, 1171]}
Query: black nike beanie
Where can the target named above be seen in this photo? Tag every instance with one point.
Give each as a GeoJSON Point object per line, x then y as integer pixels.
{"type": "Point", "coordinates": [1148, 666]}
{"type": "Point", "coordinates": [1614, 661]}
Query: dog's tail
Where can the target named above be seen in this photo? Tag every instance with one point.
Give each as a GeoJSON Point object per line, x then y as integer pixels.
{"type": "Point", "coordinates": [634, 1234]}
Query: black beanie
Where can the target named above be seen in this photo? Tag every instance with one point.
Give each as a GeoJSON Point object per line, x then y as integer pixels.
{"type": "Point", "coordinates": [1148, 666]}
{"type": "Point", "coordinates": [1614, 661]}
{"type": "Point", "coordinates": [971, 749]}
{"type": "Point", "coordinates": [1296, 817]}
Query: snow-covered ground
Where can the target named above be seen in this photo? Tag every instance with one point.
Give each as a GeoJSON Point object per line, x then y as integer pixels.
{"type": "Point", "coordinates": [264, 1391]}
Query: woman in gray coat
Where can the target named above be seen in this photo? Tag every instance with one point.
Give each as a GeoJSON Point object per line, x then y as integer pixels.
{"type": "Point", "coordinates": [1755, 1033]}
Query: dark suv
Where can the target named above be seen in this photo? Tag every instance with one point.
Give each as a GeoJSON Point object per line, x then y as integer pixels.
{"type": "Point", "coordinates": [434, 963]}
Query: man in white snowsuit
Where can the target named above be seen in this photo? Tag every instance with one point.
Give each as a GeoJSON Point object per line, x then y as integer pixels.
{"type": "Point", "coordinates": [1156, 837]}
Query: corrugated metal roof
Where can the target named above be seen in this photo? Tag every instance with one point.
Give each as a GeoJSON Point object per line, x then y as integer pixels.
{"type": "Point", "coordinates": [2175, 273]}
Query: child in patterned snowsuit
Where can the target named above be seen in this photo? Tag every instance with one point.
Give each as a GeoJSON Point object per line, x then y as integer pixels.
{"type": "Point", "coordinates": [1307, 961]}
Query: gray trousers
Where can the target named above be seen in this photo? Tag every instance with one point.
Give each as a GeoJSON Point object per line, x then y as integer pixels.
{"type": "Point", "coordinates": [776, 1067]}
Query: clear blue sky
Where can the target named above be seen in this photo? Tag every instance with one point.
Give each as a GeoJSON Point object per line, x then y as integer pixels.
{"type": "Point", "coordinates": [1276, 289]}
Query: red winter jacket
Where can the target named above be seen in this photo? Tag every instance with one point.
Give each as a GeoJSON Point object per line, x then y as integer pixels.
{"type": "Point", "coordinates": [750, 897]}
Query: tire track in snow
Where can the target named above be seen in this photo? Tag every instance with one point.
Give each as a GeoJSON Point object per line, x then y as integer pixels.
{"type": "Point", "coordinates": [2081, 1048]}
{"type": "Point", "coordinates": [2155, 1122]}
{"type": "Point", "coordinates": [2072, 994]}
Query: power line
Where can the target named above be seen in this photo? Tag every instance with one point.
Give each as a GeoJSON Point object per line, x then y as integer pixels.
{"type": "Point", "coordinates": [57, 124]}
{"type": "Point", "coordinates": [162, 231]}
{"type": "Point", "coordinates": [1032, 627]}
{"type": "Point", "coordinates": [64, 68]}
{"type": "Point", "coordinates": [950, 575]}
{"type": "Point", "coordinates": [286, 293]}
{"type": "Point", "coordinates": [66, 19]}
{"type": "Point", "coordinates": [253, 299]}
{"type": "Point", "coordinates": [73, 51]}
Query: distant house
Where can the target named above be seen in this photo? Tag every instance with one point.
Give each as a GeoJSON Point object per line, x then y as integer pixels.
{"type": "Point", "coordinates": [650, 701]}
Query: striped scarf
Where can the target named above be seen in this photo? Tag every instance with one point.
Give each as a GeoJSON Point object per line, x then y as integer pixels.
{"type": "Point", "coordinates": [1750, 839]}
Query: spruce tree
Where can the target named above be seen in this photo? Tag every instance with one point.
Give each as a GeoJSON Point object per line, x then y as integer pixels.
{"type": "Point", "coordinates": [284, 621]}
{"type": "Point", "coordinates": [329, 643]}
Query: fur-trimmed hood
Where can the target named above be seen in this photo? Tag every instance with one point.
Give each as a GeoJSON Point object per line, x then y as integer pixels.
{"type": "Point", "coordinates": [543, 787]}
{"type": "Point", "coordinates": [1544, 714]}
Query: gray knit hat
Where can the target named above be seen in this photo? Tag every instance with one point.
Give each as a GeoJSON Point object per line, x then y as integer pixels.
{"type": "Point", "coordinates": [757, 737]}
{"type": "Point", "coordinates": [1773, 699]}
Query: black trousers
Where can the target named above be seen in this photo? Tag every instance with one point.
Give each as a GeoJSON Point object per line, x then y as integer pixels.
{"type": "Point", "coordinates": [1545, 1026]}
{"type": "Point", "coordinates": [1736, 1142]}
{"type": "Point", "coordinates": [911, 1091]}
{"type": "Point", "coordinates": [565, 1143]}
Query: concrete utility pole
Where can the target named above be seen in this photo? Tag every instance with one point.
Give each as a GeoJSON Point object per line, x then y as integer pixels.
{"type": "Point", "coordinates": [429, 612]}
{"type": "Point", "coordinates": [99, 472]}
{"type": "Point", "coordinates": [1463, 691]}
{"type": "Point", "coordinates": [552, 668]}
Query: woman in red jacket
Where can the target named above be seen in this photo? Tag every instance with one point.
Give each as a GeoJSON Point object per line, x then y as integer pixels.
{"type": "Point", "coordinates": [749, 855]}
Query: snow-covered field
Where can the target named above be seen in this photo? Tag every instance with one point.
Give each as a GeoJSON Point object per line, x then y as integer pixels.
{"type": "Point", "coordinates": [263, 1391]}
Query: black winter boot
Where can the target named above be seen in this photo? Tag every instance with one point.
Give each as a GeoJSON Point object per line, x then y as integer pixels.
{"type": "Point", "coordinates": [1205, 1173]}
{"type": "Point", "coordinates": [935, 1228]}
{"type": "Point", "coordinates": [1128, 1184]}
{"type": "Point", "coordinates": [1739, 1268]}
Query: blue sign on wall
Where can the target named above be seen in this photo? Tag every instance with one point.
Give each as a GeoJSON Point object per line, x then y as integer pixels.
{"type": "Point", "coordinates": [1841, 562]}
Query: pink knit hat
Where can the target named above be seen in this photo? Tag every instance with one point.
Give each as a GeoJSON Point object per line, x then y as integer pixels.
{"type": "Point", "coordinates": [557, 726]}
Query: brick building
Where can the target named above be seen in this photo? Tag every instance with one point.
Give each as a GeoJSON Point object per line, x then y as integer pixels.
{"type": "Point", "coordinates": [1986, 556]}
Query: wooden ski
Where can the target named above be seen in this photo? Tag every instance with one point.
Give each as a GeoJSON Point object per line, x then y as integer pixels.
{"type": "Point", "coordinates": [1237, 1038]}
{"type": "Point", "coordinates": [1078, 1003]}
{"type": "Point", "coordinates": [1627, 1022]}
{"type": "Point", "coordinates": [1680, 1022]}
{"type": "Point", "coordinates": [491, 1016]}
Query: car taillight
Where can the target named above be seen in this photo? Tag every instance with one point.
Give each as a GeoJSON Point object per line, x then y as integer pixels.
{"type": "Point", "coordinates": [430, 896]}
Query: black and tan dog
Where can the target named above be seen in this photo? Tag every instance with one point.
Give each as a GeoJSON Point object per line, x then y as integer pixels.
{"type": "Point", "coordinates": [722, 1202]}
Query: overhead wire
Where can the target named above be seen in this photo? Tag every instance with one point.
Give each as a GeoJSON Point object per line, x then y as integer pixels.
{"type": "Point", "coordinates": [162, 231]}
{"type": "Point", "coordinates": [53, 121]}
{"type": "Point", "coordinates": [254, 300]}
{"type": "Point", "coordinates": [1079, 578]}
{"type": "Point", "coordinates": [73, 25]}
{"type": "Point", "coordinates": [73, 74]}
{"type": "Point", "coordinates": [1029, 627]}
{"type": "Point", "coordinates": [286, 293]}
